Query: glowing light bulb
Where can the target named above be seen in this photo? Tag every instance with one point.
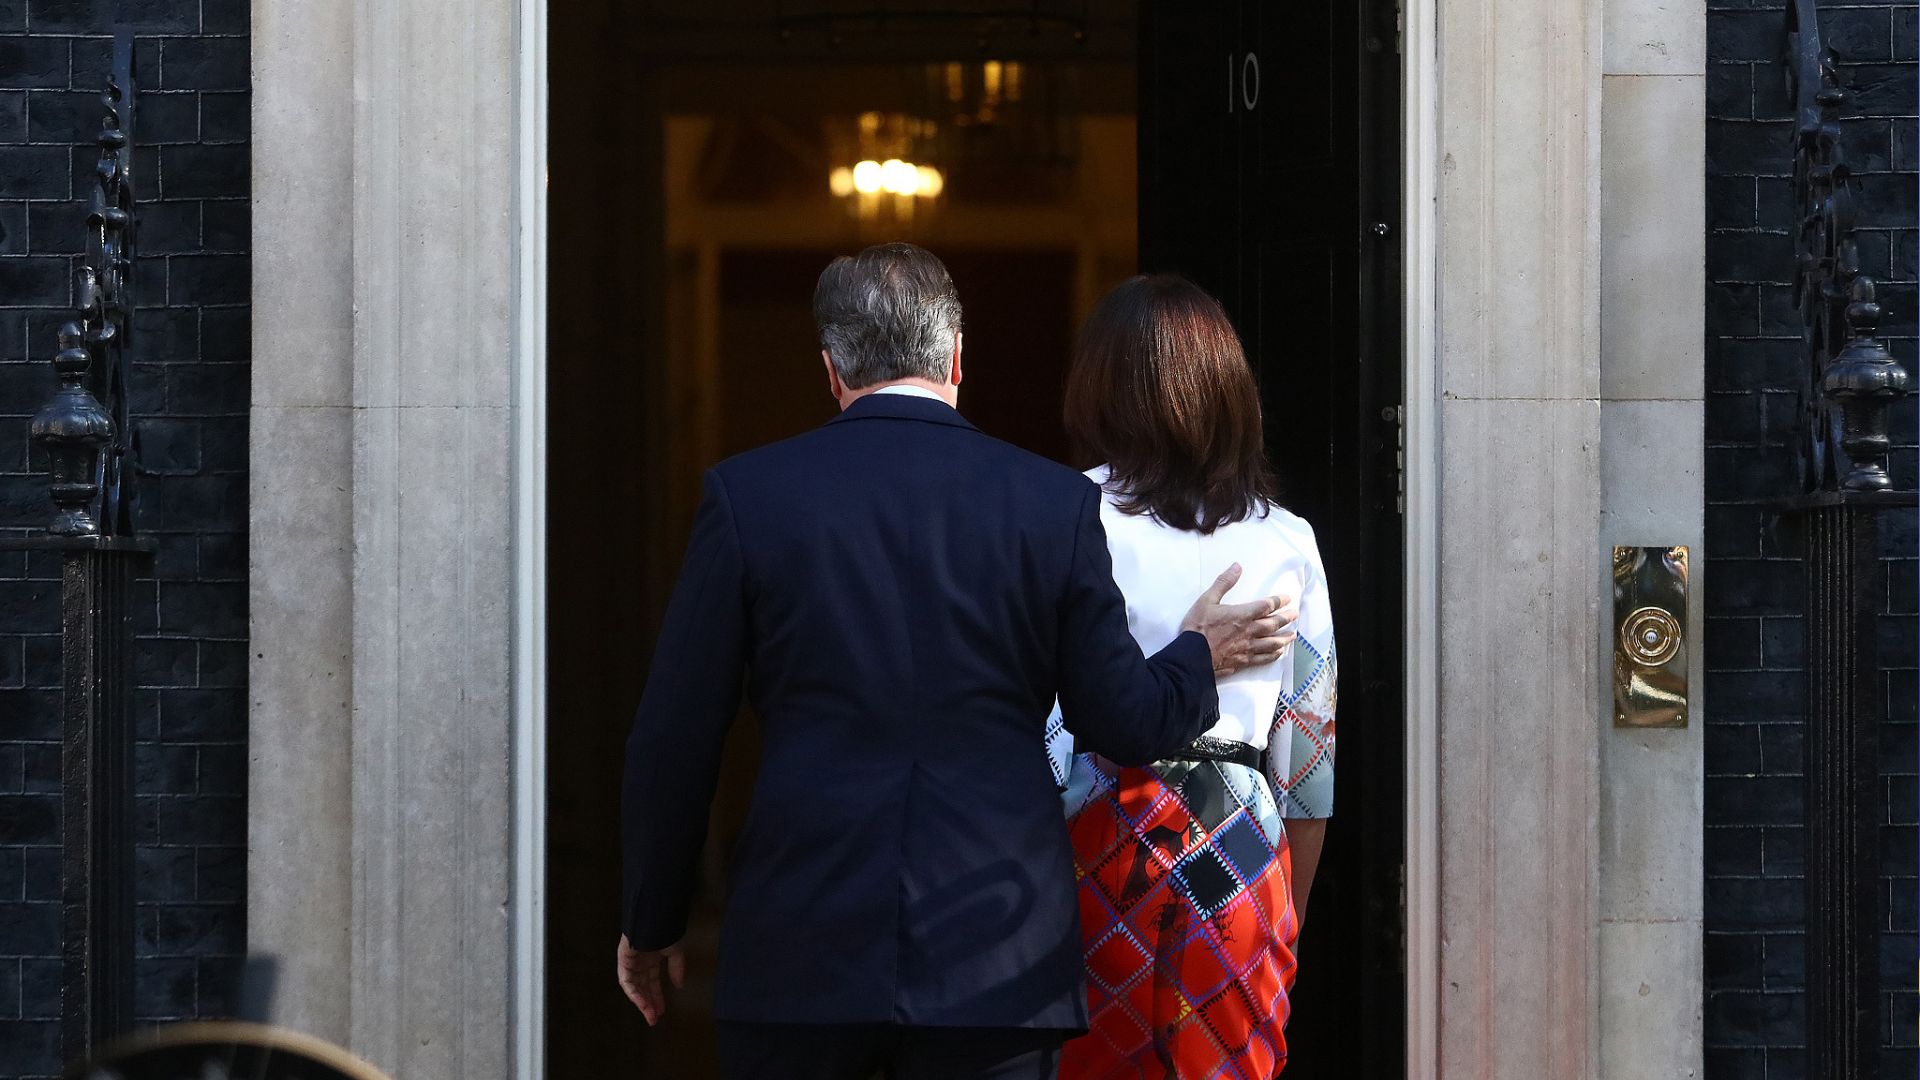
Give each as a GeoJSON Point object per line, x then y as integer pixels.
{"type": "Point", "coordinates": [931, 182]}
{"type": "Point", "coordinates": [840, 181]}
{"type": "Point", "coordinates": [899, 177]}
{"type": "Point", "coordinates": [867, 177]}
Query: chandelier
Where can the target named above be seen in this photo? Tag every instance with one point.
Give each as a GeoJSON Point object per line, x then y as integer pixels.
{"type": "Point", "coordinates": [1005, 123]}
{"type": "Point", "coordinates": [1004, 127]}
{"type": "Point", "coordinates": [884, 175]}
{"type": "Point", "coordinates": [976, 94]}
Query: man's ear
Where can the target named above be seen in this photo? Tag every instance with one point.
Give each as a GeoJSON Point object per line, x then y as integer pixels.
{"type": "Point", "coordinates": [954, 376]}
{"type": "Point", "coordinates": [833, 376]}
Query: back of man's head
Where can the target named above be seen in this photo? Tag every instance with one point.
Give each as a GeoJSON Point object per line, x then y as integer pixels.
{"type": "Point", "coordinates": [886, 314]}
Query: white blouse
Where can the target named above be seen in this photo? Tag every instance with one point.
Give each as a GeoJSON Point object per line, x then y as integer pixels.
{"type": "Point", "coordinates": [1285, 707]}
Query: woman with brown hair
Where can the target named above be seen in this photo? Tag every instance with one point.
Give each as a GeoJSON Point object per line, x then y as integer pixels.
{"type": "Point", "coordinates": [1193, 871]}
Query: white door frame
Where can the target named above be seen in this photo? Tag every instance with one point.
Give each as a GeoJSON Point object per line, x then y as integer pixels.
{"type": "Point", "coordinates": [1418, 110]}
{"type": "Point", "coordinates": [530, 548]}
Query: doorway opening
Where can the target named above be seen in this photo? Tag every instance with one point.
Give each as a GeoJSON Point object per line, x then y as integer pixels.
{"type": "Point", "coordinates": [706, 162]}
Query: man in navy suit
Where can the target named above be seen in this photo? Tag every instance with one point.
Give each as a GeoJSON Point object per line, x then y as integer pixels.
{"type": "Point", "coordinates": [902, 599]}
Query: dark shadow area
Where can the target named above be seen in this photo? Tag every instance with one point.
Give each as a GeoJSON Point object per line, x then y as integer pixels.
{"type": "Point", "coordinates": [693, 206]}
{"type": "Point", "coordinates": [705, 167]}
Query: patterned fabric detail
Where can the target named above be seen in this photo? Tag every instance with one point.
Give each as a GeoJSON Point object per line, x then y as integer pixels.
{"type": "Point", "coordinates": [1086, 781]}
{"type": "Point", "coordinates": [1059, 747]}
{"type": "Point", "coordinates": [1300, 743]}
{"type": "Point", "coordinates": [1187, 922]}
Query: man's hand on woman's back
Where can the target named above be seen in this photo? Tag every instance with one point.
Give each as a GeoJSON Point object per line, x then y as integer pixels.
{"type": "Point", "coordinates": [1241, 635]}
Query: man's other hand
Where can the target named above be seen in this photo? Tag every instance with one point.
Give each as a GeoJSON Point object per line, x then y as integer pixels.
{"type": "Point", "coordinates": [639, 974]}
{"type": "Point", "coordinates": [1241, 635]}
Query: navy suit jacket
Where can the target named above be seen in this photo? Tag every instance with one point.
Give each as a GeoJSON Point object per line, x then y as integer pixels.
{"type": "Point", "coordinates": [903, 598]}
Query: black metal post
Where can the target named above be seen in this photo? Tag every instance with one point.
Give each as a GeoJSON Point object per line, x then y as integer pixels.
{"type": "Point", "coordinates": [1843, 869]}
{"type": "Point", "coordinates": [96, 870]}
{"type": "Point", "coordinates": [1851, 381]}
{"type": "Point", "coordinates": [88, 435]}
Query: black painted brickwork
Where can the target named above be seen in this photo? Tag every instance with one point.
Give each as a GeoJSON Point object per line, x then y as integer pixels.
{"type": "Point", "coordinates": [1755, 956]}
{"type": "Point", "coordinates": [192, 386]}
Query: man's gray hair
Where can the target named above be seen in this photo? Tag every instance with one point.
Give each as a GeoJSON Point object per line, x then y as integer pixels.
{"type": "Point", "coordinates": [887, 313]}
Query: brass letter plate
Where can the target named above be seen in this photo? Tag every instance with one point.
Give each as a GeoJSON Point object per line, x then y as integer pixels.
{"type": "Point", "coordinates": [1650, 637]}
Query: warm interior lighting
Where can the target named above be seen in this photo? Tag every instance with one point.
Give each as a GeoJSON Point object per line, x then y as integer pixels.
{"type": "Point", "coordinates": [893, 176]}
{"type": "Point", "coordinates": [881, 182]}
{"type": "Point", "coordinates": [899, 177]}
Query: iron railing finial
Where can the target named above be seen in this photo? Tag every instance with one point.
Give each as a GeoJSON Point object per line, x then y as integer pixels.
{"type": "Point", "coordinates": [1860, 384]}
{"type": "Point", "coordinates": [85, 426]}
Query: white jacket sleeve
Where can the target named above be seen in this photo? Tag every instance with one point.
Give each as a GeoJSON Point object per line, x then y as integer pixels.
{"type": "Point", "coordinates": [1301, 742]}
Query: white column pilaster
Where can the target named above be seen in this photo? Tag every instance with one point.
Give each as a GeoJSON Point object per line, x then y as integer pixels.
{"type": "Point", "coordinates": [386, 327]}
{"type": "Point", "coordinates": [1518, 383]}
{"type": "Point", "coordinates": [1652, 367]}
{"type": "Point", "coordinates": [300, 535]}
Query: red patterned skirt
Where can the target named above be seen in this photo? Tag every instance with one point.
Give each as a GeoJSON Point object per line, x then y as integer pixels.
{"type": "Point", "coordinates": [1187, 918]}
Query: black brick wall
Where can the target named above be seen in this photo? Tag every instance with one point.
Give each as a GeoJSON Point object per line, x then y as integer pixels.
{"type": "Point", "coordinates": [191, 386]}
{"type": "Point", "coordinates": [1755, 952]}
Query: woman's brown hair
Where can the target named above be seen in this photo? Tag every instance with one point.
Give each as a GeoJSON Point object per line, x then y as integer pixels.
{"type": "Point", "coordinates": [1160, 389]}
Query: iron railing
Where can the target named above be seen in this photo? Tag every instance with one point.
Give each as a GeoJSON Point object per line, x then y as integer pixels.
{"type": "Point", "coordinates": [1851, 379]}
{"type": "Point", "coordinates": [1850, 384]}
{"type": "Point", "coordinates": [88, 435]}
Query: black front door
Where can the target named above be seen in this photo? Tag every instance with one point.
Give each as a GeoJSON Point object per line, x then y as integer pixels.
{"type": "Point", "coordinates": [1268, 174]}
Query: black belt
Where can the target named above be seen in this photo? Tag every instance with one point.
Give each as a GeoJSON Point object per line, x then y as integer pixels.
{"type": "Point", "coordinates": [1208, 748]}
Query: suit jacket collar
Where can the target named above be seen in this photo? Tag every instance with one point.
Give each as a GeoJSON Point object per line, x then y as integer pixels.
{"type": "Point", "coordinates": [902, 407]}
